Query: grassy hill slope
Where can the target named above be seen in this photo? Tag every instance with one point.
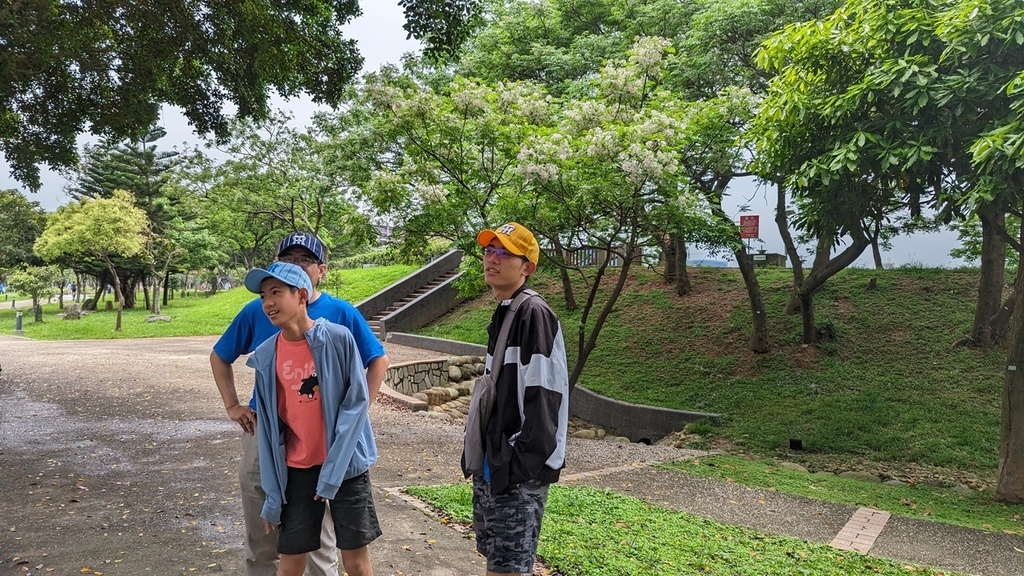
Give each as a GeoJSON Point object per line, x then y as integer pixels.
{"type": "Point", "coordinates": [888, 389]}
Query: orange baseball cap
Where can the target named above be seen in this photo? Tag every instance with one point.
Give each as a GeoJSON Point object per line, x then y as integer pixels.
{"type": "Point", "coordinates": [515, 237]}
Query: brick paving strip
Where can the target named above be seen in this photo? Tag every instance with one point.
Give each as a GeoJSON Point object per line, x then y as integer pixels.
{"type": "Point", "coordinates": [862, 530]}
{"type": "Point", "coordinates": [604, 471]}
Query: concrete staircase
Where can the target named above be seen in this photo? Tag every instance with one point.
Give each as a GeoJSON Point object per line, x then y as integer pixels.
{"type": "Point", "coordinates": [375, 320]}
{"type": "Point", "coordinates": [416, 300]}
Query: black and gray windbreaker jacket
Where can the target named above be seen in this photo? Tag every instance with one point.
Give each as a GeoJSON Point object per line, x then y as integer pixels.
{"type": "Point", "coordinates": [525, 435]}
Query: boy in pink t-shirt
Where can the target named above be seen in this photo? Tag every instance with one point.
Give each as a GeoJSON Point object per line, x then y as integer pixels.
{"type": "Point", "coordinates": [311, 393]}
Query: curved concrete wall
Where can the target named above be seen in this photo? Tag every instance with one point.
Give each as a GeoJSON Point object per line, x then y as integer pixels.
{"type": "Point", "coordinates": [637, 422]}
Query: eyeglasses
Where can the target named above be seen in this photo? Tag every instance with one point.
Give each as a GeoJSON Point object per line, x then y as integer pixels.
{"type": "Point", "coordinates": [501, 253]}
{"type": "Point", "coordinates": [298, 260]}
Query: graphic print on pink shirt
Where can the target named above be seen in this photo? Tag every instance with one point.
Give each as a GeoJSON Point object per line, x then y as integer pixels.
{"type": "Point", "coordinates": [298, 405]}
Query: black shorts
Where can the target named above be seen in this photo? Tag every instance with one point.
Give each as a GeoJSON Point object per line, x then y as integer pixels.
{"type": "Point", "coordinates": [355, 518]}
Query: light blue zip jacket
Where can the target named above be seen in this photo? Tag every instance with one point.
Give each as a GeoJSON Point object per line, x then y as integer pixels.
{"type": "Point", "coordinates": [351, 449]}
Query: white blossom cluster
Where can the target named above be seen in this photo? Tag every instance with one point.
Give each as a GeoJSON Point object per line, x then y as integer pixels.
{"type": "Point", "coordinates": [470, 97]}
{"type": "Point", "coordinates": [431, 192]}
{"type": "Point", "coordinates": [585, 114]}
{"type": "Point", "coordinates": [648, 54]}
{"type": "Point", "coordinates": [538, 158]}
{"type": "Point", "coordinates": [526, 100]}
{"type": "Point", "coordinates": [601, 143]}
{"type": "Point", "coordinates": [626, 82]}
{"type": "Point", "coordinates": [643, 164]}
{"type": "Point", "coordinates": [382, 95]}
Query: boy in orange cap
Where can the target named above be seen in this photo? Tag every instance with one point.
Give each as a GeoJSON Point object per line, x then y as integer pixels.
{"type": "Point", "coordinates": [515, 435]}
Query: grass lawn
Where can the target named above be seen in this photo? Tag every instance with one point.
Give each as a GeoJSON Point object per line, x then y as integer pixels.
{"type": "Point", "coordinates": [190, 315]}
{"type": "Point", "coordinates": [888, 394]}
{"type": "Point", "coordinates": [888, 388]}
{"type": "Point", "coordinates": [590, 532]}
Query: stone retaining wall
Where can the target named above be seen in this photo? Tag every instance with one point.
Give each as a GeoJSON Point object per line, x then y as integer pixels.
{"type": "Point", "coordinates": [411, 378]}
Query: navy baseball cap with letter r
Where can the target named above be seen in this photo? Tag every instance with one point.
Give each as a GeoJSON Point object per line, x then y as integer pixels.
{"type": "Point", "coordinates": [306, 240]}
{"type": "Point", "coordinates": [290, 274]}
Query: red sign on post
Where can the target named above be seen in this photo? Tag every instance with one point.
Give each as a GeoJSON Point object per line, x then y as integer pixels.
{"type": "Point", "coordinates": [749, 226]}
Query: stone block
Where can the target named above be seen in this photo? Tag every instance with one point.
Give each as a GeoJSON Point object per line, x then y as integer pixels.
{"type": "Point", "coordinates": [454, 374]}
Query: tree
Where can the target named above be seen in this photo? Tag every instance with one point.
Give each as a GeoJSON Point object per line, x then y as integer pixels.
{"type": "Point", "coordinates": [873, 112]}
{"type": "Point", "coordinates": [21, 221]}
{"type": "Point", "coordinates": [442, 25]}
{"type": "Point", "coordinates": [37, 282]}
{"type": "Point", "coordinates": [276, 179]}
{"type": "Point", "coordinates": [563, 43]}
{"type": "Point", "coordinates": [105, 228]}
{"type": "Point", "coordinates": [910, 102]}
{"type": "Point", "coordinates": [608, 177]}
{"type": "Point", "coordinates": [106, 67]}
{"type": "Point", "coordinates": [593, 176]}
{"type": "Point", "coordinates": [449, 163]}
{"type": "Point", "coordinates": [138, 166]}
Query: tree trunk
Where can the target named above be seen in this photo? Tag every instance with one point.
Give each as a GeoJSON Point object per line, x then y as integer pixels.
{"type": "Point", "coordinates": [567, 292]}
{"type": "Point", "coordinates": [782, 222]}
{"type": "Point", "coordinates": [1010, 483]}
{"type": "Point", "coordinates": [156, 297]}
{"type": "Point", "coordinates": [683, 286]}
{"type": "Point", "coordinates": [993, 275]}
{"type": "Point", "coordinates": [669, 254]}
{"type": "Point", "coordinates": [145, 291]}
{"type": "Point", "coordinates": [118, 293]}
{"type": "Point", "coordinates": [876, 253]}
{"type": "Point", "coordinates": [101, 286]}
{"type": "Point", "coordinates": [1000, 323]}
{"type": "Point", "coordinates": [167, 282]}
{"type": "Point", "coordinates": [37, 309]}
{"type": "Point", "coordinates": [823, 269]}
{"type": "Point", "coordinates": [759, 337]}
{"type": "Point", "coordinates": [563, 273]}
{"type": "Point", "coordinates": [126, 288]}
{"type": "Point", "coordinates": [587, 342]}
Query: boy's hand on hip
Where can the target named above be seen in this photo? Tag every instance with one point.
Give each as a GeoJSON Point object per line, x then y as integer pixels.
{"type": "Point", "coordinates": [244, 417]}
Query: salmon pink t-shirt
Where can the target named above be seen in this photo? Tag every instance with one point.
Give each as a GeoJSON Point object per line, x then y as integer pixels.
{"type": "Point", "coordinates": [298, 404]}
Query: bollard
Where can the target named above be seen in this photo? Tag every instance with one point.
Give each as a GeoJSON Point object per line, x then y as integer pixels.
{"type": "Point", "coordinates": [17, 325]}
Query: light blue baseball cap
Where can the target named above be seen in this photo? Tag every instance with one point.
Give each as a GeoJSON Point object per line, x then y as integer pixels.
{"type": "Point", "coordinates": [290, 274]}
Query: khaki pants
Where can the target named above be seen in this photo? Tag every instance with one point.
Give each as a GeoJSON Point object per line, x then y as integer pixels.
{"type": "Point", "coordinates": [261, 548]}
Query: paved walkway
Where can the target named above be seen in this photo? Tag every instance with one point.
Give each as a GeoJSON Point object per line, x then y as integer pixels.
{"type": "Point", "coordinates": [115, 456]}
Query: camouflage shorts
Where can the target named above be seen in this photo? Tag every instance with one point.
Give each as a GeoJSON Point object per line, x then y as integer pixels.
{"type": "Point", "coordinates": [507, 525]}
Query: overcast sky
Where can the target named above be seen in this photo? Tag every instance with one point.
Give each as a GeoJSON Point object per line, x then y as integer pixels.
{"type": "Point", "coordinates": [382, 40]}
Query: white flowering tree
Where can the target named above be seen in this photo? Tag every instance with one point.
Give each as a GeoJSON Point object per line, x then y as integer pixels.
{"type": "Point", "coordinates": [447, 168]}
{"type": "Point", "coordinates": [599, 177]}
{"type": "Point", "coordinates": [608, 178]}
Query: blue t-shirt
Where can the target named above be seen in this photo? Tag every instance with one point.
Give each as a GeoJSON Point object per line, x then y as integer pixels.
{"type": "Point", "coordinates": [251, 327]}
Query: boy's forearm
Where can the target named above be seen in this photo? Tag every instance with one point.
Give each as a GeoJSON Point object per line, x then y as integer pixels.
{"type": "Point", "coordinates": [224, 377]}
{"type": "Point", "coordinates": [375, 375]}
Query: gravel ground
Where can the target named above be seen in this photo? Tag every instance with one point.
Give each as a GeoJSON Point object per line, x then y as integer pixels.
{"type": "Point", "coordinates": [116, 458]}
